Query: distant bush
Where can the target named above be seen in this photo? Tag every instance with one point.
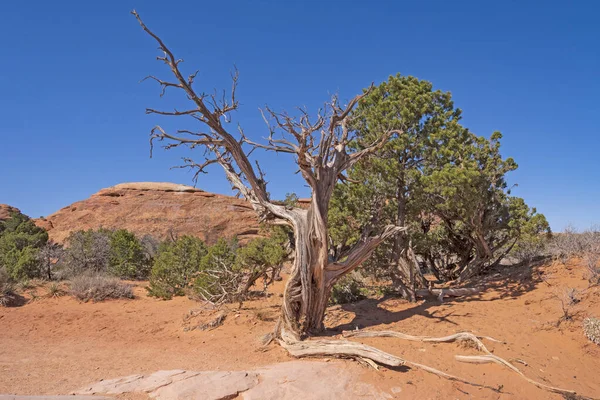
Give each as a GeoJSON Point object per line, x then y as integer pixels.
{"type": "Point", "coordinates": [175, 265]}
{"type": "Point", "coordinates": [348, 290]}
{"type": "Point", "coordinates": [98, 288]}
{"type": "Point", "coordinates": [220, 277]}
{"type": "Point", "coordinates": [119, 253]}
{"type": "Point", "coordinates": [150, 244]}
{"type": "Point", "coordinates": [87, 252]}
{"type": "Point", "coordinates": [260, 258]}
{"type": "Point", "coordinates": [6, 288]}
{"type": "Point", "coordinates": [591, 329]}
{"type": "Point", "coordinates": [572, 243]}
{"type": "Point", "coordinates": [127, 258]}
{"type": "Point", "coordinates": [20, 241]}
{"type": "Point", "coordinates": [50, 259]}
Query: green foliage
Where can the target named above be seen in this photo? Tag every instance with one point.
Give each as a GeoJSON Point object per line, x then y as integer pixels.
{"type": "Point", "coordinates": [20, 241]}
{"type": "Point", "coordinates": [127, 257]}
{"type": "Point", "coordinates": [119, 253]}
{"type": "Point", "coordinates": [435, 177]}
{"type": "Point", "coordinates": [291, 199]}
{"type": "Point", "coordinates": [6, 288]}
{"type": "Point", "coordinates": [175, 265]}
{"type": "Point", "coordinates": [88, 252]}
{"type": "Point", "coordinates": [347, 290]}
{"type": "Point", "coordinates": [220, 275]}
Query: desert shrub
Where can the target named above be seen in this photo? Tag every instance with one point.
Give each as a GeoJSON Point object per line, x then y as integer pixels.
{"type": "Point", "coordinates": [20, 241]}
{"type": "Point", "coordinates": [349, 289]}
{"type": "Point", "coordinates": [572, 243]}
{"type": "Point", "coordinates": [591, 329]}
{"type": "Point", "coordinates": [127, 258]}
{"type": "Point", "coordinates": [175, 266]}
{"type": "Point", "coordinates": [55, 290]}
{"type": "Point", "coordinates": [220, 276]}
{"type": "Point", "coordinates": [591, 260]}
{"type": "Point", "coordinates": [150, 244]}
{"type": "Point", "coordinates": [262, 257]}
{"type": "Point", "coordinates": [98, 287]}
{"type": "Point", "coordinates": [50, 259]}
{"type": "Point", "coordinates": [118, 253]}
{"type": "Point", "coordinates": [6, 288]}
{"type": "Point", "coordinates": [531, 247]}
{"type": "Point", "coordinates": [87, 252]}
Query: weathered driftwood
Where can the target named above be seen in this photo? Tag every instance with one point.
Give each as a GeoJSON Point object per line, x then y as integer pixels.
{"type": "Point", "coordinates": [462, 336]}
{"type": "Point", "coordinates": [347, 349]}
{"type": "Point", "coordinates": [454, 292]}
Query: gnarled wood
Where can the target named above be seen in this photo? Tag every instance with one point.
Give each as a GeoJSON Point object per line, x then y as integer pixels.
{"type": "Point", "coordinates": [342, 348]}
{"type": "Point", "coordinates": [321, 148]}
{"type": "Point", "coordinates": [453, 292]}
{"type": "Point", "coordinates": [461, 336]}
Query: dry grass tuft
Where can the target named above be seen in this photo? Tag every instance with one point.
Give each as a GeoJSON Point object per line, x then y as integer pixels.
{"type": "Point", "coordinates": [99, 288]}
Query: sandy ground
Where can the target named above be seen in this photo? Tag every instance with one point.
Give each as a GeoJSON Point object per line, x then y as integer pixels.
{"type": "Point", "coordinates": [56, 345]}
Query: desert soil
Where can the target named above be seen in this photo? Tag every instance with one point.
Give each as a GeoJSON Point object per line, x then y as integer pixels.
{"type": "Point", "coordinates": [57, 345]}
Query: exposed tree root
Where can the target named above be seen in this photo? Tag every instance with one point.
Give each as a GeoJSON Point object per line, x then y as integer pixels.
{"type": "Point", "coordinates": [347, 349]}
{"type": "Point", "coordinates": [462, 336]}
{"type": "Point", "coordinates": [441, 293]}
{"type": "Point", "coordinates": [490, 358]}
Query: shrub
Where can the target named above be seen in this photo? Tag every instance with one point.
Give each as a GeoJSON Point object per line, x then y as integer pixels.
{"type": "Point", "coordinates": [127, 258]}
{"type": "Point", "coordinates": [87, 252]}
{"type": "Point", "coordinates": [591, 329]}
{"type": "Point", "coordinates": [591, 259]}
{"type": "Point", "coordinates": [572, 243]}
{"type": "Point", "coordinates": [347, 290]}
{"type": "Point", "coordinates": [220, 277]}
{"type": "Point", "coordinates": [175, 266]}
{"type": "Point", "coordinates": [261, 257]}
{"type": "Point", "coordinates": [20, 241]}
{"type": "Point", "coordinates": [54, 290]}
{"type": "Point", "coordinates": [50, 257]}
{"type": "Point", "coordinates": [6, 288]}
{"type": "Point", "coordinates": [98, 288]}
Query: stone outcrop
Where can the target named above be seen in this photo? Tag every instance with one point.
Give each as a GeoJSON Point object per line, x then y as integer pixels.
{"type": "Point", "coordinates": [157, 209]}
{"type": "Point", "coordinates": [286, 381]}
{"type": "Point", "coordinates": [6, 210]}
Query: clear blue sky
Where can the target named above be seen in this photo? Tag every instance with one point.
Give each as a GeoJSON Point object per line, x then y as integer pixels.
{"type": "Point", "coordinates": [72, 111]}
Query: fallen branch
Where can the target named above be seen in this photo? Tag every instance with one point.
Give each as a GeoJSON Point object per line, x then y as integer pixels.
{"type": "Point", "coordinates": [441, 293]}
{"type": "Point", "coordinates": [462, 336]}
{"type": "Point", "coordinates": [490, 358]}
{"type": "Point", "coordinates": [347, 349]}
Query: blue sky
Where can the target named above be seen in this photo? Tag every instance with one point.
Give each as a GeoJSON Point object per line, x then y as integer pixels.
{"type": "Point", "coordinates": [72, 108]}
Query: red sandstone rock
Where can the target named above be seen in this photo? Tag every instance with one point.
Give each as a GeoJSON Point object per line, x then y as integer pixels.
{"type": "Point", "coordinates": [158, 209]}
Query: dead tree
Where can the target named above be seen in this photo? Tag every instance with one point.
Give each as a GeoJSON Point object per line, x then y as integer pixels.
{"type": "Point", "coordinates": [321, 149]}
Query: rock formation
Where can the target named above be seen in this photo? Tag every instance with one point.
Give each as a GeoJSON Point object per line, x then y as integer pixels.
{"type": "Point", "coordinates": [158, 209]}
{"type": "Point", "coordinates": [6, 210]}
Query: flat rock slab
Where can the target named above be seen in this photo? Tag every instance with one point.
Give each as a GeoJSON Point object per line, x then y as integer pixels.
{"type": "Point", "coordinates": [312, 380]}
{"type": "Point", "coordinates": [70, 397]}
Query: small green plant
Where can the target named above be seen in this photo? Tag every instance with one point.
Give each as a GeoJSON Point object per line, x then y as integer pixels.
{"type": "Point", "coordinates": [99, 288]}
{"type": "Point", "coordinates": [127, 256]}
{"type": "Point", "coordinates": [20, 242]}
{"type": "Point", "coordinates": [220, 276]}
{"type": "Point", "coordinates": [591, 329]}
{"type": "Point", "coordinates": [55, 290]}
{"type": "Point", "coordinates": [347, 290]}
{"type": "Point", "coordinates": [6, 288]}
{"type": "Point", "coordinates": [175, 266]}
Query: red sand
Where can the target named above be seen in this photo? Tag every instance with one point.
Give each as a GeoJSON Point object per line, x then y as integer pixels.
{"type": "Point", "coordinates": [56, 345]}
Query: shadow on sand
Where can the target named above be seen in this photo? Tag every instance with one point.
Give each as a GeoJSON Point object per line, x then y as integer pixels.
{"type": "Point", "coordinates": [502, 282]}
